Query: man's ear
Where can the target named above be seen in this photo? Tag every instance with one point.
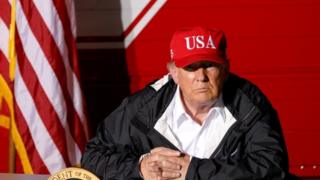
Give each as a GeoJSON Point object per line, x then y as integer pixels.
{"type": "Point", "coordinates": [173, 71]}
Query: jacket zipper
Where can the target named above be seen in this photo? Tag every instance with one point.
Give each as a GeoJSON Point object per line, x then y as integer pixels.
{"type": "Point", "coordinates": [224, 139]}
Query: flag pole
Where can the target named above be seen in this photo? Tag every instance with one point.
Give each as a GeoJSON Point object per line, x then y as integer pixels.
{"type": "Point", "coordinates": [12, 58]}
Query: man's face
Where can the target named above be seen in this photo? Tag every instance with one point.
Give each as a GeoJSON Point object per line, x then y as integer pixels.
{"type": "Point", "coordinates": [200, 82]}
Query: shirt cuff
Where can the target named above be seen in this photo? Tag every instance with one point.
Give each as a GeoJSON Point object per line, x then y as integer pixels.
{"type": "Point", "coordinates": [140, 159]}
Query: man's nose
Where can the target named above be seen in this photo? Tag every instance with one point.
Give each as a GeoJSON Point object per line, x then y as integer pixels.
{"type": "Point", "coordinates": [201, 74]}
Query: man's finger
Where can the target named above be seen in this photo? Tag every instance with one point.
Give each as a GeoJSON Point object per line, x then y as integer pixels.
{"type": "Point", "coordinates": [170, 174]}
{"type": "Point", "coordinates": [153, 167]}
{"type": "Point", "coordinates": [167, 164]}
{"type": "Point", "coordinates": [165, 151]}
{"type": "Point", "coordinates": [162, 161]}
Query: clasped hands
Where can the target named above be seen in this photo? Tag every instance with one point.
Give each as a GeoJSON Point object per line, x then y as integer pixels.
{"type": "Point", "coordinates": [164, 164]}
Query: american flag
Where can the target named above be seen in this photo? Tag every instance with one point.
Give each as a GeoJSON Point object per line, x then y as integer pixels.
{"type": "Point", "coordinates": [42, 104]}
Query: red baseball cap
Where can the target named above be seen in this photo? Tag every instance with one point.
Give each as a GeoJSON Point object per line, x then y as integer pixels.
{"type": "Point", "coordinates": [190, 45]}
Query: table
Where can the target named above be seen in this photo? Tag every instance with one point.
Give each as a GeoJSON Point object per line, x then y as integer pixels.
{"type": "Point", "coordinates": [7, 176]}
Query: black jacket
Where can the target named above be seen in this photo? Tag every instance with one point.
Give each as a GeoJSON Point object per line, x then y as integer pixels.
{"type": "Point", "coordinates": [253, 147]}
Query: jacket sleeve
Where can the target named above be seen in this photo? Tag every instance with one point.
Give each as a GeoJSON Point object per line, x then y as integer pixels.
{"type": "Point", "coordinates": [111, 154]}
{"type": "Point", "coordinates": [262, 156]}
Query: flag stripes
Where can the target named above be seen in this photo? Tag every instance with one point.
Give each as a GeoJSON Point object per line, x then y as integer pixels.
{"type": "Point", "coordinates": [58, 72]}
{"type": "Point", "coordinates": [41, 114]}
{"type": "Point", "coordinates": [5, 13]}
{"type": "Point", "coordinates": [69, 59]}
{"type": "Point", "coordinates": [44, 142]}
{"type": "Point", "coordinates": [4, 65]}
{"type": "Point", "coordinates": [69, 36]}
{"type": "Point", "coordinates": [4, 62]}
{"type": "Point", "coordinates": [50, 115]}
{"type": "Point", "coordinates": [70, 10]}
{"type": "Point", "coordinates": [36, 161]}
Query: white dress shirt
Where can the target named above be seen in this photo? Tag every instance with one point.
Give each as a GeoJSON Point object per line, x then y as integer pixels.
{"type": "Point", "coordinates": [189, 136]}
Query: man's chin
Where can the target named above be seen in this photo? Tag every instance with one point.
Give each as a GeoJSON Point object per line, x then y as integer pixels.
{"type": "Point", "coordinates": [204, 99]}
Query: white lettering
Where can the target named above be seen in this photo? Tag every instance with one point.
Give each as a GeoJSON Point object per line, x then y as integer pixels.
{"type": "Point", "coordinates": [210, 43]}
{"type": "Point", "coordinates": [200, 43]}
{"type": "Point", "coordinates": [188, 42]}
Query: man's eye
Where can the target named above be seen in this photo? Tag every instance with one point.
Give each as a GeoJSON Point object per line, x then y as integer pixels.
{"type": "Point", "coordinates": [191, 68]}
{"type": "Point", "coordinates": [208, 65]}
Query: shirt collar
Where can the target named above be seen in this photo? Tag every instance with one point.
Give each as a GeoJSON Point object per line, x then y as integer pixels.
{"type": "Point", "coordinates": [178, 108]}
{"type": "Point", "coordinates": [179, 114]}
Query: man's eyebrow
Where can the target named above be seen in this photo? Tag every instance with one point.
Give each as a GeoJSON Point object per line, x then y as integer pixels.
{"type": "Point", "coordinates": [202, 64]}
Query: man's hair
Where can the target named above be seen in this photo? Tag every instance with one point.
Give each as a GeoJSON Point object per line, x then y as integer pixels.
{"type": "Point", "coordinates": [170, 65]}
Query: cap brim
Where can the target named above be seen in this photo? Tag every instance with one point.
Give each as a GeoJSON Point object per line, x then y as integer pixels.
{"type": "Point", "coordinates": [183, 62]}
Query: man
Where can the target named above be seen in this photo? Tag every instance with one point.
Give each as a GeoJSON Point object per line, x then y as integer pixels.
{"type": "Point", "coordinates": [199, 122]}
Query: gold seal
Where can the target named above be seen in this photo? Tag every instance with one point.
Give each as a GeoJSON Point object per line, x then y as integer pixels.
{"type": "Point", "coordinates": [73, 173]}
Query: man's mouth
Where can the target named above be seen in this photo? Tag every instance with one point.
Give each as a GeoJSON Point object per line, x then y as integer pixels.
{"type": "Point", "coordinates": [204, 89]}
